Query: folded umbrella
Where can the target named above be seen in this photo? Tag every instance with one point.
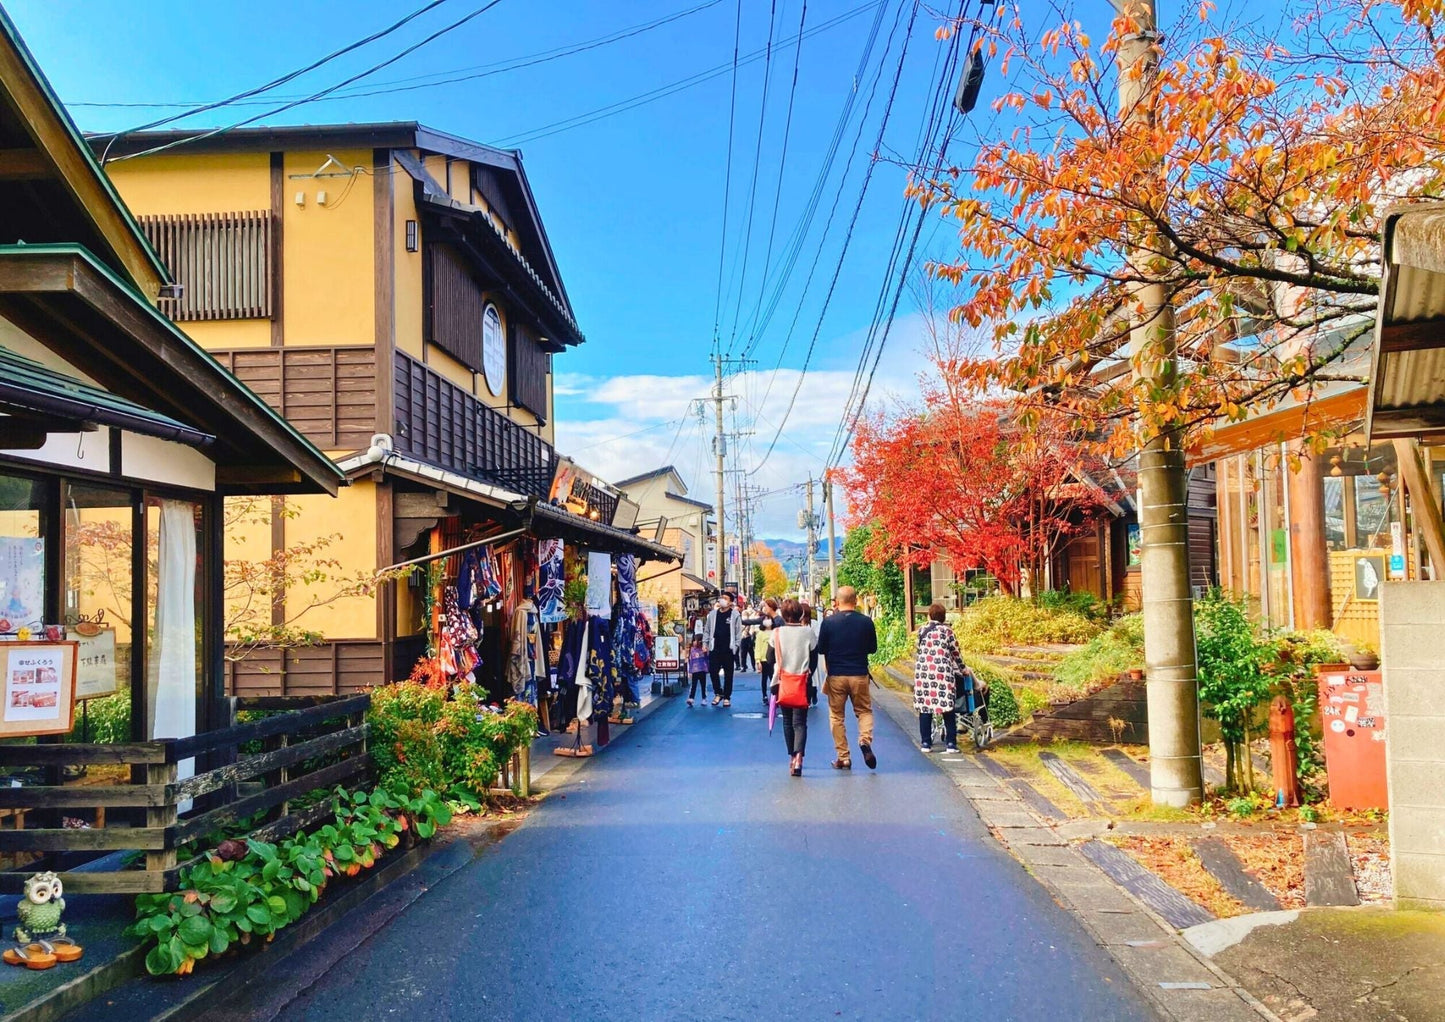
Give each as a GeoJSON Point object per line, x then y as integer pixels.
{"type": "Point", "coordinates": [772, 712]}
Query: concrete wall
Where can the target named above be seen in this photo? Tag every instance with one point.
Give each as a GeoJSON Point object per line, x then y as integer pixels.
{"type": "Point", "coordinates": [1412, 615]}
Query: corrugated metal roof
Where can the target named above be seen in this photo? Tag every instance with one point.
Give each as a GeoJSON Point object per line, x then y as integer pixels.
{"type": "Point", "coordinates": [1407, 379]}
{"type": "Point", "coordinates": [28, 387]}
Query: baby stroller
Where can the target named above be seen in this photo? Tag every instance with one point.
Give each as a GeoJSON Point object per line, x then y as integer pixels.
{"type": "Point", "coordinates": [971, 708]}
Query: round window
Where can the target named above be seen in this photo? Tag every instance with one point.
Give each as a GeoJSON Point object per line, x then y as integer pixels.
{"type": "Point", "coordinates": [494, 350]}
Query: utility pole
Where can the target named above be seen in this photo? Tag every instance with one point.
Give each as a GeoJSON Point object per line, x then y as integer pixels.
{"type": "Point", "coordinates": [1175, 765]}
{"type": "Point", "coordinates": [812, 542]}
{"type": "Point", "coordinates": [719, 450]}
{"type": "Point", "coordinates": [832, 540]}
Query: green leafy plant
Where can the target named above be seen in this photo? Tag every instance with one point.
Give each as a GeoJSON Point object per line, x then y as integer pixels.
{"type": "Point", "coordinates": [1086, 605]}
{"type": "Point", "coordinates": [1233, 678]}
{"type": "Point", "coordinates": [998, 621]}
{"type": "Point", "coordinates": [105, 721]}
{"type": "Point", "coordinates": [1105, 657]}
{"type": "Point", "coordinates": [242, 893]}
{"type": "Point", "coordinates": [1309, 814]}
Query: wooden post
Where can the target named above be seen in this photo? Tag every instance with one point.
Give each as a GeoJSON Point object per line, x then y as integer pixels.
{"type": "Point", "coordinates": [524, 771]}
{"type": "Point", "coordinates": [1309, 554]}
{"type": "Point", "coordinates": [1426, 512]}
{"type": "Point", "coordinates": [161, 816]}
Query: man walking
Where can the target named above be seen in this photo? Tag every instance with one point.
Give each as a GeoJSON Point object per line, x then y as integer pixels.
{"type": "Point", "coordinates": [722, 635]}
{"type": "Point", "coordinates": [846, 639]}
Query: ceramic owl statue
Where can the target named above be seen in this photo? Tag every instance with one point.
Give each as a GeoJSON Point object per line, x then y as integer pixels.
{"type": "Point", "coordinates": [40, 909]}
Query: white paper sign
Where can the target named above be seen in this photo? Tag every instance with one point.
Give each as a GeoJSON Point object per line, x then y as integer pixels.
{"type": "Point", "coordinates": [32, 688]}
{"type": "Point", "coordinates": [665, 653]}
{"type": "Point", "coordinates": [95, 671]}
{"type": "Point", "coordinates": [599, 584]}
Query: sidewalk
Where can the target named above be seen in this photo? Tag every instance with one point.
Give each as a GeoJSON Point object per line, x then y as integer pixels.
{"type": "Point", "coordinates": [1320, 964]}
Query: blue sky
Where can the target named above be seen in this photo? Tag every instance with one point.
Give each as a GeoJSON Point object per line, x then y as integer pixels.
{"type": "Point", "coordinates": [633, 202]}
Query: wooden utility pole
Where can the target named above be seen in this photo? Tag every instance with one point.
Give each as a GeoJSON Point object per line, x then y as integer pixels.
{"type": "Point", "coordinates": [812, 544]}
{"type": "Point", "coordinates": [719, 450]}
{"type": "Point", "coordinates": [1175, 763]}
{"type": "Point", "coordinates": [832, 540]}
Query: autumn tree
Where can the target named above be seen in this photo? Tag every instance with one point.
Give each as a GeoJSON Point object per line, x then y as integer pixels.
{"type": "Point", "coordinates": [1184, 227]}
{"type": "Point", "coordinates": [881, 578]}
{"type": "Point", "coordinates": [969, 483]}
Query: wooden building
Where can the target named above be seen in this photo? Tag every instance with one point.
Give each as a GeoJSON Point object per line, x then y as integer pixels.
{"type": "Point", "coordinates": [390, 290]}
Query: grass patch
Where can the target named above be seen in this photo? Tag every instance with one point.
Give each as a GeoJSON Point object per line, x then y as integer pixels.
{"type": "Point", "coordinates": [998, 621]}
{"type": "Point", "coordinates": [1106, 656]}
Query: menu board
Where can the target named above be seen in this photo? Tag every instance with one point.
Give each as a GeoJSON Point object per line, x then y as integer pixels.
{"type": "Point", "coordinates": [39, 687]}
{"type": "Point", "coordinates": [95, 673]}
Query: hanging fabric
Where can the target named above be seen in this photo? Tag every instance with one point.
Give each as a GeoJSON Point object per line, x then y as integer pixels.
{"type": "Point", "coordinates": [599, 584]}
{"type": "Point", "coordinates": [467, 579]}
{"type": "Point", "coordinates": [171, 665]}
{"type": "Point", "coordinates": [552, 581]}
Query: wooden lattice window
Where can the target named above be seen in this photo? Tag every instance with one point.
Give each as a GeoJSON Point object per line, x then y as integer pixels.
{"type": "Point", "coordinates": [222, 261]}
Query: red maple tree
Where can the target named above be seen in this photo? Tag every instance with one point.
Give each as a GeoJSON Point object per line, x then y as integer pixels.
{"type": "Point", "coordinates": [970, 483]}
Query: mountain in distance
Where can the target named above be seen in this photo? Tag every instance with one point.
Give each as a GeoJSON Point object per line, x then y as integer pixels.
{"type": "Point", "coordinates": [792, 551]}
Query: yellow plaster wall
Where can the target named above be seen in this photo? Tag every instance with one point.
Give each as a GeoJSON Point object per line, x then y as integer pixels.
{"type": "Point", "coordinates": [247, 538]}
{"type": "Point", "coordinates": [350, 519]}
{"type": "Point", "coordinates": [408, 287]}
{"type": "Point", "coordinates": [221, 183]}
{"type": "Point", "coordinates": [328, 257]}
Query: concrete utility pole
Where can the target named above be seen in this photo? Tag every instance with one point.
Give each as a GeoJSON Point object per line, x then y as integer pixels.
{"type": "Point", "coordinates": [832, 541]}
{"type": "Point", "coordinates": [1175, 764]}
{"type": "Point", "coordinates": [812, 542]}
{"type": "Point", "coordinates": [719, 450]}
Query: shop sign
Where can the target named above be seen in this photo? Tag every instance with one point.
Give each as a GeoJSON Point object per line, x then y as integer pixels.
{"type": "Point", "coordinates": [1397, 549]}
{"type": "Point", "coordinates": [494, 350]}
{"type": "Point", "coordinates": [95, 673]}
{"type": "Point", "coordinates": [666, 653]}
{"type": "Point", "coordinates": [39, 688]}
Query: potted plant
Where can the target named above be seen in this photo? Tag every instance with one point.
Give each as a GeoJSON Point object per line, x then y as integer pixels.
{"type": "Point", "coordinates": [1136, 674]}
{"type": "Point", "coordinates": [1363, 657]}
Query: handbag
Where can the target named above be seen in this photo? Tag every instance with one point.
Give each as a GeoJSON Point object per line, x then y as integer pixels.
{"type": "Point", "coordinates": [966, 695]}
{"type": "Point", "coordinates": [792, 688]}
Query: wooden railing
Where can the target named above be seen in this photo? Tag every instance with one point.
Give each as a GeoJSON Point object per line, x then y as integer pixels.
{"type": "Point", "coordinates": [303, 750]}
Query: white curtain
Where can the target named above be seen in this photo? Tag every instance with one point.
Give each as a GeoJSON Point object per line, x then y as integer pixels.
{"type": "Point", "coordinates": [171, 665]}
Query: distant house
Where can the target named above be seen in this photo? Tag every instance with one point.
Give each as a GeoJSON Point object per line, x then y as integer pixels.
{"type": "Point", "coordinates": [678, 521]}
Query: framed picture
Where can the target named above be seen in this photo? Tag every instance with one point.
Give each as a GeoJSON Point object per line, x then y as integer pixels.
{"type": "Point", "coordinates": [1132, 546]}
{"type": "Point", "coordinates": [39, 688]}
{"type": "Point", "coordinates": [1369, 573]}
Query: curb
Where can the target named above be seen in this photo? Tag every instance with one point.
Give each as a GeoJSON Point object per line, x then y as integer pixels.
{"type": "Point", "coordinates": [559, 774]}
{"type": "Point", "coordinates": [1178, 980]}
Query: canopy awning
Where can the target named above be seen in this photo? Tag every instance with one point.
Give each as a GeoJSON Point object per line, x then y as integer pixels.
{"type": "Point", "coordinates": [697, 583]}
{"type": "Point", "coordinates": [1289, 420]}
{"type": "Point", "coordinates": [1407, 390]}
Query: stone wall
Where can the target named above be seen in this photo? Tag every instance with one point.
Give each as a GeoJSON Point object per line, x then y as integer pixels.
{"type": "Point", "coordinates": [1412, 654]}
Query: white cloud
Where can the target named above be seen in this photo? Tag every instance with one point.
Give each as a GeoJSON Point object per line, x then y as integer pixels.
{"type": "Point", "coordinates": [623, 425]}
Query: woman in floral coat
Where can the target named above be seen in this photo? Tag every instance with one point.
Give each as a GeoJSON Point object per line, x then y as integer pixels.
{"type": "Point", "coordinates": [935, 674]}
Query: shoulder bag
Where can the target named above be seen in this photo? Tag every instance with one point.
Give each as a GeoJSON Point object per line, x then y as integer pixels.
{"type": "Point", "coordinates": [792, 688]}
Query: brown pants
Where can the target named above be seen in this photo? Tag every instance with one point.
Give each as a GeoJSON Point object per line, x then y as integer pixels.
{"type": "Point", "coordinates": [839, 688]}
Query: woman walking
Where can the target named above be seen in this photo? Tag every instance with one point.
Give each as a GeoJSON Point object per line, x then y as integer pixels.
{"type": "Point", "coordinates": [793, 647]}
{"type": "Point", "coordinates": [935, 673]}
{"type": "Point", "coordinates": [761, 640]}
{"type": "Point", "coordinates": [820, 669]}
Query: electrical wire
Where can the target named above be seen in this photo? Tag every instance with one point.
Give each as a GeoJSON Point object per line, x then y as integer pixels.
{"type": "Point", "coordinates": [284, 79]}
{"type": "Point", "coordinates": [757, 159]}
{"type": "Point", "coordinates": [477, 12]}
{"type": "Point", "coordinates": [727, 181]}
{"type": "Point", "coordinates": [672, 88]}
{"type": "Point", "coordinates": [853, 220]}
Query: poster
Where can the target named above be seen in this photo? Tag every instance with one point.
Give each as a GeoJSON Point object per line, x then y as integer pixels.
{"type": "Point", "coordinates": [551, 582]}
{"type": "Point", "coordinates": [22, 582]}
{"type": "Point", "coordinates": [1133, 542]}
{"type": "Point", "coordinates": [1369, 573]}
{"type": "Point", "coordinates": [666, 653]}
{"type": "Point", "coordinates": [95, 672]}
{"type": "Point", "coordinates": [599, 584]}
{"type": "Point", "coordinates": [32, 683]}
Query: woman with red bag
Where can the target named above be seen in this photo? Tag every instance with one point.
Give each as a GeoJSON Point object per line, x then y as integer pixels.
{"type": "Point", "coordinates": [793, 649]}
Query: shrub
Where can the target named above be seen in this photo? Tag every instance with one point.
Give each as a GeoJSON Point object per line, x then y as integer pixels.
{"type": "Point", "coordinates": [1086, 605]}
{"type": "Point", "coordinates": [1233, 681]}
{"type": "Point", "coordinates": [106, 721]}
{"type": "Point", "coordinates": [1003, 707]}
{"type": "Point", "coordinates": [894, 643]}
{"type": "Point", "coordinates": [997, 621]}
{"type": "Point", "coordinates": [1107, 655]}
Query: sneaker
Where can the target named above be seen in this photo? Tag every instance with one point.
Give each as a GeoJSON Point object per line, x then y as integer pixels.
{"type": "Point", "coordinates": [925, 748]}
{"type": "Point", "coordinates": [689, 702]}
{"type": "Point", "coordinates": [950, 748]}
{"type": "Point", "coordinates": [868, 756]}
{"type": "Point", "coordinates": [542, 732]}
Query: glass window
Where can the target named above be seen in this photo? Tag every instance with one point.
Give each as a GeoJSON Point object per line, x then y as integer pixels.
{"type": "Point", "coordinates": [99, 612]}
{"type": "Point", "coordinates": [22, 553]}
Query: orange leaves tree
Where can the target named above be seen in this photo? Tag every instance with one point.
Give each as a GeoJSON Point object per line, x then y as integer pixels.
{"type": "Point", "coordinates": [1248, 179]}
{"type": "Point", "coordinates": [970, 484]}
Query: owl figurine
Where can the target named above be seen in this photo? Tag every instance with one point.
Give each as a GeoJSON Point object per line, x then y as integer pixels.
{"type": "Point", "coordinates": [40, 909]}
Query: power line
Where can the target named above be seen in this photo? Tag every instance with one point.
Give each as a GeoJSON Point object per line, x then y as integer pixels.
{"type": "Point", "coordinates": [324, 92]}
{"type": "Point", "coordinates": [663, 91]}
{"type": "Point", "coordinates": [782, 168]}
{"type": "Point", "coordinates": [757, 158]}
{"type": "Point", "coordinates": [450, 77]}
{"type": "Point", "coordinates": [288, 77]}
{"type": "Point", "coordinates": [853, 220]}
{"type": "Point", "coordinates": [727, 181]}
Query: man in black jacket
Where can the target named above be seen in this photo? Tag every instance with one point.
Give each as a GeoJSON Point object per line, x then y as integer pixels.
{"type": "Point", "coordinates": [845, 641]}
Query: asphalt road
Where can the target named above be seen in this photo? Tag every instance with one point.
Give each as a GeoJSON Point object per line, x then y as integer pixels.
{"type": "Point", "coordinates": [685, 875]}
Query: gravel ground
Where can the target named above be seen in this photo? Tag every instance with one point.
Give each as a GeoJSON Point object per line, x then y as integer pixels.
{"type": "Point", "coordinates": [1370, 855]}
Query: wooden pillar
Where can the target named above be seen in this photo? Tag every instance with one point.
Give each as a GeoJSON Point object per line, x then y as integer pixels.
{"type": "Point", "coordinates": [1309, 554]}
{"type": "Point", "coordinates": [1426, 513]}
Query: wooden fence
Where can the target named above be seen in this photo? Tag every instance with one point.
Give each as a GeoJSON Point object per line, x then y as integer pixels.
{"type": "Point", "coordinates": [309, 744]}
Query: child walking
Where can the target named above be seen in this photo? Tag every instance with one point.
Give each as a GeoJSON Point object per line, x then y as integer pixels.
{"type": "Point", "coordinates": [697, 668]}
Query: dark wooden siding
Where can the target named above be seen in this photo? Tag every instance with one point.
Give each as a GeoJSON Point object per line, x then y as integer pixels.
{"type": "Point", "coordinates": [329, 394]}
{"type": "Point", "coordinates": [439, 422]}
{"type": "Point", "coordinates": [339, 667]}
{"type": "Point", "coordinates": [1203, 566]}
{"type": "Point", "coordinates": [454, 305]}
{"type": "Point", "coordinates": [221, 260]}
{"type": "Point", "coordinates": [527, 367]}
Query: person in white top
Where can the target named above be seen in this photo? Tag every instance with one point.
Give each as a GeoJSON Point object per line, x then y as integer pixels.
{"type": "Point", "coordinates": [794, 644]}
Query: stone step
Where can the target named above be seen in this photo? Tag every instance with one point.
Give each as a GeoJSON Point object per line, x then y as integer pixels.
{"type": "Point", "coordinates": [1179, 911]}
{"type": "Point", "coordinates": [1329, 875]}
{"type": "Point", "coordinates": [1222, 864]}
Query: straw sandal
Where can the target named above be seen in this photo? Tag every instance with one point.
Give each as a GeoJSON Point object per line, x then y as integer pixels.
{"type": "Point", "coordinates": [35, 956]}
